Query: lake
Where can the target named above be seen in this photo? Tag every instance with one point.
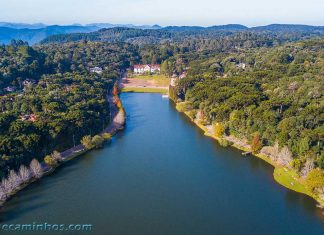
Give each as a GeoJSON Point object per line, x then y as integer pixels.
{"type": "Point", "coordinates": [161, 175]}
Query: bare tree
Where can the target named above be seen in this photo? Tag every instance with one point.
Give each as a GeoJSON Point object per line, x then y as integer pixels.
{"type": "Point", "coordinates": [6, 186]}
{"type": "Point", "coordinates": [14, 179]}
{"type": "Point", "coordinates": [308, 167]}
{"type": "Point", "coordinates": [284, 156]}
{"type": "Point", "coordinates": [36, 168]}
{"type": "Point", "coordinates": [3, 195]}
{"type": "Point", "coordinates": [24, 174]}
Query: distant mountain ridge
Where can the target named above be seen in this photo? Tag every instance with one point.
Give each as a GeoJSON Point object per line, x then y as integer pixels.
{"type": "Point", "coordinates": [35, 33]}
{"type": "Point", "coordinates": [275, 33]}
{"type": "Point", "coordinates": [232, 27]}
{"type": "Point", "coordinates": [33, 36]}
{"type": "Point", "coordinates": [288, 27]}
{"type": "Point", "coordinates": [22, 25]}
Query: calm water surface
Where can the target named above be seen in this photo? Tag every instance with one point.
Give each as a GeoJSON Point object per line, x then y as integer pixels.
{"type": "Point", "coordinates": [163, 176]}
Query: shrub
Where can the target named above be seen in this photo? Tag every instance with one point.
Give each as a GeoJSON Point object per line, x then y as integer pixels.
{"type": "Point", "coordinates": [57, 156]}
{"type": "Point", "coordinates": [87, 142]}
{"type": "Point", "coordinates": [192, 113]}
{"type": "Point", "coordinates": [183, 106]}
{"type": "Point", "coordinates": [98, 141]}
{"type": "Point", "coordinates": [315, 180]}
{"type": "Point", "coordinates": [106, 136]}
{"type": "Point", "coordinates": [225, 143]}
{"type": "Point", "coordinates": [49, 160]}
{"type": "Point", "coordinates": [219, 130]}
{"type": "Point", "coordinates": [297, 164]}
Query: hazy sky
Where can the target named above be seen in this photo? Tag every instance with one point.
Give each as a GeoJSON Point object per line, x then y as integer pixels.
{"type": "Point", "coordinates": [164, 12]}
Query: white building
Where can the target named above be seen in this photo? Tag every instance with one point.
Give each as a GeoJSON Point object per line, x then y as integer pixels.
{"type": "Point", "coordinates": [97, 70]}
{"type": "Point", "coordinates": [146, 68]}
{"type": "Point", "coordinates": [10, 89]}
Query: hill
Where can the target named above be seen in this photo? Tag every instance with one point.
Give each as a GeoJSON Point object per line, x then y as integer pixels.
{"type": "Point", "coordinates": [33, 36]}
{"type": "Point", "coordinates": [276, 32]}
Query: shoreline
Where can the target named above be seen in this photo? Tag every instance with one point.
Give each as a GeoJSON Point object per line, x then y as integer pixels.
{"type": "Point", "coordinates": [161, 90]}
{"type": "Point", "coordinates": [117, 124]}
{"type": "Point", "coordinates": [281, 174]}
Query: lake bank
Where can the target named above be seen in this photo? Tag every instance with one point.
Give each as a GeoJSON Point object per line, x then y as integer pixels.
{"type": "Point", "coordinates": [117, 123]}
{"type": "Point", "coordinates": [282, 175]}
{"type": "Point", "coordinates": [161, 175]}
{"type": "Point", "coordinates": [161, 90]}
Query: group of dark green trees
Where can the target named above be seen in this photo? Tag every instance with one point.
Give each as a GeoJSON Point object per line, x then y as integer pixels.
{"type": "Point", "coordinates": [263, 85]}
{"type": "Point", "coordinates": [64, 101]}
{"type": "Point", "coordinates": [264, 95]}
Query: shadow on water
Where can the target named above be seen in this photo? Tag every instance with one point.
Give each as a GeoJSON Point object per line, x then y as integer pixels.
{"type": "Point", "coordinates": [7, 214]}
{"type": "Point", "coordinates": [36, 191]}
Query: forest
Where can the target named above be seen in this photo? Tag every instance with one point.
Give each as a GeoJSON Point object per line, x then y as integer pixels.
{"type": "Point", "coordinates": [266, 96]}
{"type": "Point", "coordinates": [56, 100]}
{"type": "Point", "coordinates": [263, 85]}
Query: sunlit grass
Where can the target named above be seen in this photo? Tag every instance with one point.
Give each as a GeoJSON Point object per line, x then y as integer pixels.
{"type": "Point", "coordinates": [159, 79]}
{"type": "Point", "coordinates": [289, 179]}
{"type": "Point", "coordinates": [145, 90]}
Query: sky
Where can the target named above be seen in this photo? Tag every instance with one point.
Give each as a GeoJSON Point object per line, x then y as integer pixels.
{"type": "Point", "coordinates": [164, 12]}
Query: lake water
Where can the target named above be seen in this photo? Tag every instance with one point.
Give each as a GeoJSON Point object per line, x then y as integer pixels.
{"type": "Point", "coordinates": [163, 176]}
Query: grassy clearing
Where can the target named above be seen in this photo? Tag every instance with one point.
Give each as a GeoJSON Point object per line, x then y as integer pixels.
{"type": "Point", "coordinates": [290, 179]}
{"type": "Point", "coordinates": [158, 79]}
{"type": "Point", "coordinates": [145, 90]}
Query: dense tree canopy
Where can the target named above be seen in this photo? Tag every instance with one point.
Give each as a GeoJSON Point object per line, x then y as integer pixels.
{"type": "Point", "coordinates": [61, 102]}
{"type": "Point", "coordinates": [275, 92]}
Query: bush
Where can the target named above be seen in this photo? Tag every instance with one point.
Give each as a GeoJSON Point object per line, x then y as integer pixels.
{"type": "Point", "coordinates": [106, 136]}
{"type": "Point", "coordinates": [57, 156]}
{"type": "Point", "coordinates": [297, 164]}
{"type": "Point", "coordinates": [225, 143]}
{"type": "Point", "coordinates": [183, 106]}
{"type": "Point", "coordinates": [192, 113]}
{"type": "Point", "coordinates": [87, 142]}
{"type": "Point", "coordinates": [315, 180]}
{"type": "Point", "coordinates": [49, 160]}
{"type": "Point", "coordinates": [98, 141]}
{"type": "Point", "coordinates": [219, 130]}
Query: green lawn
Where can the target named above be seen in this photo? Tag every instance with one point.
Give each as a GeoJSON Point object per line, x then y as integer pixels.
{"type": "Point", "coordinates": [159, 79]}
{"type": "Point", "coordinates": [289, 179]}
{"type": "Point", "coordinates": [145, 90]}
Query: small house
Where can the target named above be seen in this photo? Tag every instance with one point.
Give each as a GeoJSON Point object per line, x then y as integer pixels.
{"type": "Point", "coordinates": [97, 70]}
{"type": "Point", "coordinates": [26, 117]}
{"type": "Point", "coordinates": [10, 89]}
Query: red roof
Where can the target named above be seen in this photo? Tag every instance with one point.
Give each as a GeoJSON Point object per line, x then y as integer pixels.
{"type": "Point", "coordinates": [139, 66]}
{"type": "Point", "coordinates": [155, 66]}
